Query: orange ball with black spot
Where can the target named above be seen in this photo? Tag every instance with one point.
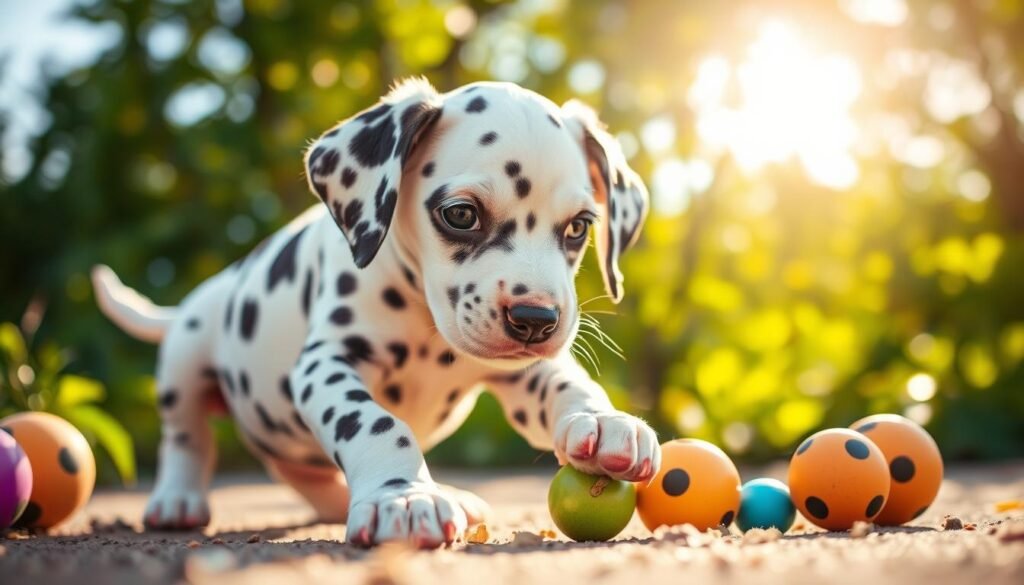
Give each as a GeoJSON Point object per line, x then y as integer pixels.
{"type": "Point", "coordinates": [837, 477]}
{"type": "Point", "coordinates": [697, 484]}
{"type": "Point", "coordinates": [63, 468]}
{"type": "Point", "coordinates": [915, 465]}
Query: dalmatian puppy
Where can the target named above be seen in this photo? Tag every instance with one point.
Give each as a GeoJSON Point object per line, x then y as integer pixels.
{"type": "Point", "coordinates": [441, 261]}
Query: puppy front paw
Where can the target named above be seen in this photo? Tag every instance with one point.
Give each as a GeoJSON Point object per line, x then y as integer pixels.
{"type": "Point", "coordinates": [419, 513]}
{"type": "Point", "coordinates": [610, 443]}
{"type": "Point", "coordinates": [176, 508]}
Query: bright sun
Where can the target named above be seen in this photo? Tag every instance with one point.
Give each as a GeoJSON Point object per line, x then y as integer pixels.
{"type": "Point", "coordinates": [792, 102]}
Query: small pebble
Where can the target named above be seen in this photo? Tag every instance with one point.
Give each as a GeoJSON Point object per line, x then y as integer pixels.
{"type": "Point", "coordinates": [952, 523]}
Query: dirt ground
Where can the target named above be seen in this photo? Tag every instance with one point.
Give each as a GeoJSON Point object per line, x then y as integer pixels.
{"type": "Point", "coordinates": [261, 534]}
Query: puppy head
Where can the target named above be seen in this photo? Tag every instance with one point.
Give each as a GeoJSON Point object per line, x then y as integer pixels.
{"type": "Point", "coordinates": [493, 191]}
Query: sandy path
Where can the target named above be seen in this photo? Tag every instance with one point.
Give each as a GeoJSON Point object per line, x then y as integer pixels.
{"type": "Point", "coordinates": [261, 535]}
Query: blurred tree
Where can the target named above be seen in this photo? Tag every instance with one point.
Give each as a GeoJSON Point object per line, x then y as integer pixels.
{"type": "Point", "coordinates": [837, 206]}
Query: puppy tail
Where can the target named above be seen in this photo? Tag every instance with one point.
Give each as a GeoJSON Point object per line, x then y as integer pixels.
{"type": "Point", "coordinates": [132, 312]}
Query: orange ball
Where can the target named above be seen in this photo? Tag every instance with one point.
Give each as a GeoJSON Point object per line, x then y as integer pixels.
{"type": "Point", "coordinates": [837, 477]}
{"type": "Point", "coordinates": [697, 484]}
{"type": "Point", "coordinates": [63, 468]}
{"type": "Point", "coordinates": [915, 465]}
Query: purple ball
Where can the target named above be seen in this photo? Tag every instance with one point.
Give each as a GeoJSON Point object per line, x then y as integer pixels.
{"type": "Point", "coordinates": [15, 480]}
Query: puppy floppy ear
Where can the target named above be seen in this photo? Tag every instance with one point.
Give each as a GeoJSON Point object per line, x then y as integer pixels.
{"type": "Point", "coordinates": [356, 167]}
{"type": "Point", "coordinates": [618, 191]}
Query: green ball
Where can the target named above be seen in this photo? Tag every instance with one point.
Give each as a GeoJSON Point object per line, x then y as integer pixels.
{"type": "Point", "coordinates": [590, 507]}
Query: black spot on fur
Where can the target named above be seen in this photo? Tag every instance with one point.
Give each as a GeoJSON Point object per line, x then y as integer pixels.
{"type": "Point", "coordinates": [283, 267]}
{"type": "Point", "coordinates": [493, 314]}
{"type": "Point", "coordinates": [502, 239]}
{"type": "Point", "coordinates": [543, 419]}
{"type": "Point", "coordinates": [243, 383]}
{"type": "Point", "coordinates": [453, 295]}
{"type": "Point", "coordinates": [397, 482]}
{"type": "Point", "coordinates": [453, 396]}
{"type": "Point", "coordinates": [488, 139]}
{"type": "Point", "coordinates": [168, 399]}
{"type": "Point", "coordinates": [313, 346]}
{"type": "Point", "coordinates": [358, 396]}
{"type": "Point", "coordinates": [428, 169]}
{"type": "Point", "coordinates": [393, 298]}
{"type": "Point", "coordinates": [286, 388]}
{"type": "Point", "coordinates": [348, 177]}
{"type": "Point", "coordinates": [382, 425]}
{"type": "Point", "coordinates": [335, 378]}
{"type": "Point", "coordinates": [385, 200]}
{"type": "Point", "coordinates": [468, 306]}
{"type": "Point", "coordinates": [520, 289]}
{"type": "Point", "coordinates": [371, 115]}
{"type": "Point", "coordinates": [352, 214]}
{"type": "Point", "coordinates": [297, 419]}
{"type": "Point", "coordinates": [393, 393]}
{"type": "Point", "coordinates": [531, 221]}
{"type": "Point", "coordinates": [307, 293]}
{"type": "Point", "coordinates": [181, 439]}
{"type": "Point", "coordinates": [326, 163]}
{"type": "Point", "coordinates": [402, 442]}
{"type": "Point", "coordinates": [306, 393]}
{"type": "Point", "coordinates": [311, 367]}
{"type": "Point", "coordinates": [400, 351]}
{"type": "Point", "coordinates": [359, 349]}
{"type": "Point", "coordinates": [67, 461]}
{"type": "Point", "coordinates": [446, 358]}
{"type": "Point", "coordinates": [341, 316]}
{"type": "Point", "coordinates": [228, 312]}
{"type": "Point", "coordinates": [227, 381]}
{"type": "Point", "coordinates": [346, 284]}
{"type": "Point", "coordinates": [409, 276]}
{"type": "Point", "coordinates": [520, 417]}
{"type": "Point", "coordinates": [327, 416]}
{"type": "Point", "coordinates": [348, 426]}
{"type": "Point", "coordinates": [337, 461]}
{"type": "Point", "coordinates": [192, 324]}
{"type": "Point", "coordinates": [265, 420]}
{"type": "Point", "coordinates": [249, 318]}
{"type": "Point", "coordinates": [522, 187]}
{"type": "Point", "coordinates": [373, 145]}
{"type": "Point", "coordinates": [476, 105]}
{"type": "Point", "coordinates": [531, 386]}
{"type": "Point", "coordinates": [513, 168]}
{"type": "Point", "coordinates": [555, 121]}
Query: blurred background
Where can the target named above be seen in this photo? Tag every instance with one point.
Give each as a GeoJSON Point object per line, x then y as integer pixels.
{"type": "Point", "coordinates": [838, 196]}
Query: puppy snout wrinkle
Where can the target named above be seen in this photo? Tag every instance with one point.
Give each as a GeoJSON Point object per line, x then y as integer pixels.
{"type": "Point", "coordinates": [531, 323]}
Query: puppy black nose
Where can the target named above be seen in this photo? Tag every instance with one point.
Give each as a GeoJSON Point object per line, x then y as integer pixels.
{"type": "Point", "coordinates": [530, 323]}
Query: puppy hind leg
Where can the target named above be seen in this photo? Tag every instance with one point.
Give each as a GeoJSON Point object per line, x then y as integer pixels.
{"type": "Point", "coordinates": [325, 490]}
{"type": "Point", "coordinates": [187, 451]}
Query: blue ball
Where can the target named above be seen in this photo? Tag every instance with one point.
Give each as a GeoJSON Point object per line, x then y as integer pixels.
{"type": "Point", "coordinates": [765, 503]}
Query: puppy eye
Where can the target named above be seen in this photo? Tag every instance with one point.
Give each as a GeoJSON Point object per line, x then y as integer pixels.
{"type": "Point", "coordinates": [461, 217]}
{"type": "Point", "coordinates": [577, 229]}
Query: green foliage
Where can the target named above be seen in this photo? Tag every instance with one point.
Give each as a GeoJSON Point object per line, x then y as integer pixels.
{"type": "Point", "coordinates": [37, 382]}
{"type": "Point", "coordinates": [765, 299]}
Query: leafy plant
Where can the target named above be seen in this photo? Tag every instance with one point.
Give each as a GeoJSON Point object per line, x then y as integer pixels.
{"type": "Point", "coordinates": [36, 381]}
